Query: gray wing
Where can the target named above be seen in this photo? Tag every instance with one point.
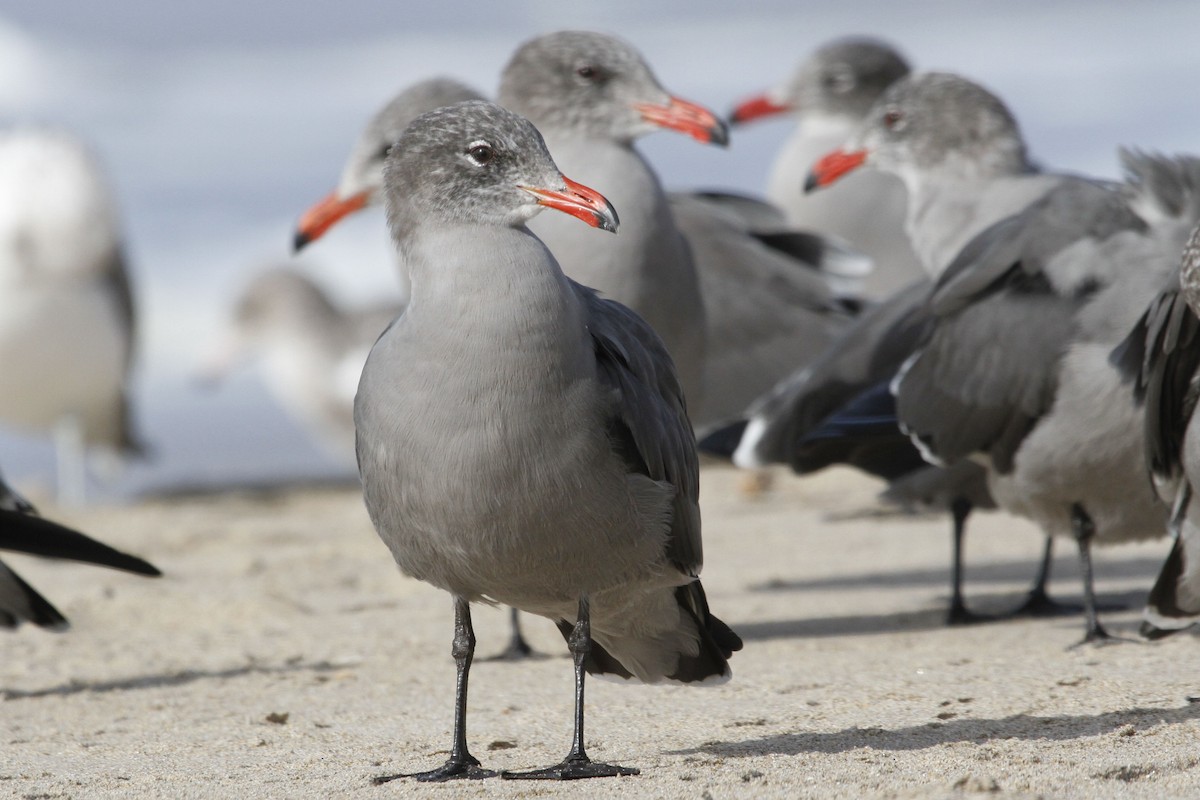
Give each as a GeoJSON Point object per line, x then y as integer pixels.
{"type": "Point", "coordinates": [754, 214]}
{"type": "Point", "coordinates": [649, 426]}
{"type": "Point", "coordinates": [766, 314]}
{"type": "Point", "coordinates": [1004, 315]}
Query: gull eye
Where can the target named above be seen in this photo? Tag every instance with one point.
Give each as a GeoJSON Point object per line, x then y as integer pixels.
{"type": "Point", "coordinates": [894, 120]}
{"type": "Point", "coordinates": [587, 72]}
{"type": "Point", "coordinates": [838, 80]}
{"type": "Point", "coordinates": [481, 153]}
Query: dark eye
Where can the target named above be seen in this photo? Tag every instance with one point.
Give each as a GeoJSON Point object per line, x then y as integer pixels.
{"type": "Point", "coordinates": [481, 153]}
{"type": "Point", "coordinates": [588, 72]}
{"type": "Point", "coordinates": [893, 120]}
{"type": "Point", "coordinates": [383, 151]}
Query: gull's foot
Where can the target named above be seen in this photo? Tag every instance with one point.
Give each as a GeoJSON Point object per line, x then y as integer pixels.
{"type": "Point", "coordinates": [518, 650]}
{"type": "Point", "coordinates": [1039, 604]}
{"type": "Point", "coordinates": [573, 769]}
{"type": "Point", "coordinates": [961, 615]}
{"type": "Point", "coordinates": [463, 769]}
{"type": "Point", "coordinates": [1099, 637]}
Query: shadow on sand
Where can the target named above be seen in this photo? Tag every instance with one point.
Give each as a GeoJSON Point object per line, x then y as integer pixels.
{"type": "Point", "coordinates": [169, 679]}
{"type": "Point", "coordinates": [924, 619]}
{"type": "Point", "coordinates": [1028, 727]}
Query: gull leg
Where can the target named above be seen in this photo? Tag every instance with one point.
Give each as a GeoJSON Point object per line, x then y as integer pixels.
{"type": "Point", "coordinates": [576, 764]}
{"type": "Point", "coordinates": [1085, 530]}
{"type": "Point", "coordinates": [461, 763]}
{"type": "Point", "coordinates": [958, 613]}
{"type": "Point", "coordinates": [518, 649]}
{"type": "Point", "coordinates": [1039, 603]}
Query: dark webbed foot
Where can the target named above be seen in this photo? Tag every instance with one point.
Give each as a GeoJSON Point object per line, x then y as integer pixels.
{"type": "Point", "coordinates": [518, 649]}
{"type": "Point", "coordinates": [454, 769]}
{"type": "Point", "coordinates": [1040, 604]}
{"type": "Point", "coordinates": [1098, 636]}
{"type": "Point", "coordinates": [573, 768]}
{"type": "Point", "coordinates": [959, 614]}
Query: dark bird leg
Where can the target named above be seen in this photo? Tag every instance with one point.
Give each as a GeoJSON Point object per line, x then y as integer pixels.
{"type": "Point", "coordinates": [1039, 603]}
{"type": "Point", "coordinates": [576, 764]}
{"type": "Point", "coordinates": [461, 763]}
{"type": "Point", "coordinates": [959, 614]}
{"type": "Point", "coordinates": [518, 649]}
{"type": "Point", "coordinates": [1085, 530]}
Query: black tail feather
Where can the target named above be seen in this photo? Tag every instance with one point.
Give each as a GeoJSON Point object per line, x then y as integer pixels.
{"type": "Point", "coordinates": [722, 442]}
{"type": "Point", "coordinates": [20, 602]}
{"type": "Point", "coordinates": [1163, 600]}
{"type": "Point", "coordinates": [718, 642]}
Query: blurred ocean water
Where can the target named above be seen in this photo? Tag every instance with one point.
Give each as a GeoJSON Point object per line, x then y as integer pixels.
{"type": "Point", "coordinates": [221, 122]}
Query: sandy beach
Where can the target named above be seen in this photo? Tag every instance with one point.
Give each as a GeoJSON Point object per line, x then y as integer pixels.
{"type": "Point", "coordinates": [283, 655]}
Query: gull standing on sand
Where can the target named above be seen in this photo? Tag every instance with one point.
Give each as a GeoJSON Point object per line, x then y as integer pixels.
{"type": "Point", "coordinates": [66, 309]}
{"type": "Point", "coordinates": [22, 531]}
{"type": "Point", "coordinates": [522, 440]}
{"type": "Point", "coordinates": [830, 94]}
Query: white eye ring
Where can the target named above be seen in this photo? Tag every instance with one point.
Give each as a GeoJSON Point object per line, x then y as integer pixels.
{"type": "Point", "coordinates": [481, 152]}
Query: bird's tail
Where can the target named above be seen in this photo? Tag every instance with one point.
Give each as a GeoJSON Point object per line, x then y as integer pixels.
{"type": "Point", "coordinates": [665, 635]}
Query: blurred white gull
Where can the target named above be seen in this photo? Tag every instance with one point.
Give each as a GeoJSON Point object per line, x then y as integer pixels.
{"type": "Point", "coordinates": [67, 321]}
{"type": "Point", "coordinates": [311, 351]}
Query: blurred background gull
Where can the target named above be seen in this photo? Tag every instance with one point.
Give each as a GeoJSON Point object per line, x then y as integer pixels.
{"type": "Point", "coordinates": [218, 123]}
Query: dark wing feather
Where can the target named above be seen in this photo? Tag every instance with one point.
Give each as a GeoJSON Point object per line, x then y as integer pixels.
{"type": "Point", "coordinates": [1162, 356]}
{"type": "Point", "coordinates": [649, 427]}
{"type": "Point", "coordinates": [23, 533]}
{"type": "Point", "coordinates": [1004, 314]}
{"type": "Point", "coordinates": [20, 602]}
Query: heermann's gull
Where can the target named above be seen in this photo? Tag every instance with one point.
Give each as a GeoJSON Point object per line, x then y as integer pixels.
{"type": "Point", "coordinates": [362, 175]}
{"type": "Point", "coordinates": [830, 93]}
{"type": "Point", "coordinates": [22, 531]}
{"type": "Point", "coordinates": [66, 310]}
{"type": "Point", "coordinates": [591, 96]}
{"type": "Point", "coordinates": [1163, 354]}
{"type": "Point", "coordinates": [958, 151]}
{"type": "Point", "coordinates": [522, 440]}
{"type": "Point", "coordinates": [1015, 370]}
{"type": "Point", "coordinates": [311, 350]}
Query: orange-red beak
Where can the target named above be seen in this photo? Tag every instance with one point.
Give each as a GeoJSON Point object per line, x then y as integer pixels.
{"type": "Point", "coordinates": [832, 166]}
{"type": "Point", "coordinates": [757, 107]}
{"type": "Point", "coordinates": [324, 215]}
{"type": "Point", "coordinates": [694, 120]}
{"type": "Point", "coordinates": [579, 201]}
